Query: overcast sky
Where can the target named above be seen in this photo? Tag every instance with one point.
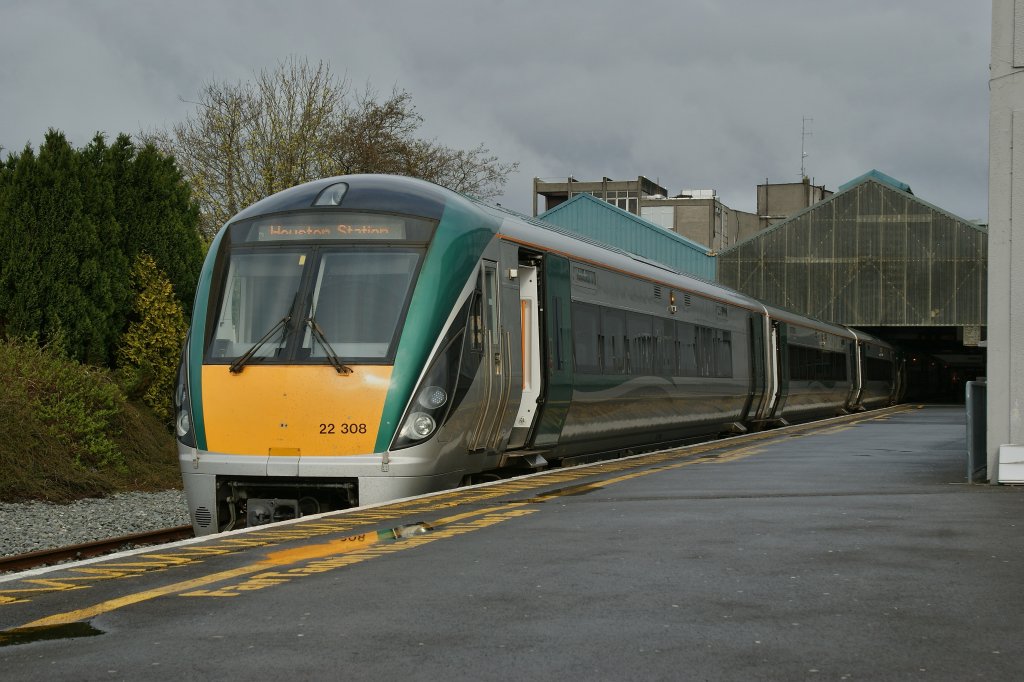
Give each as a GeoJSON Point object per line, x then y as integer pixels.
{"type": "Point", "coordinates": [691, 93]}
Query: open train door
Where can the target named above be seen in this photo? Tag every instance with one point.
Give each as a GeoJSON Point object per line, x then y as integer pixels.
{"type": "Point", "coordinates": [546, 342]}
{"type": "Point", "coordinates": [529, 315]}
{"type": "Point", "coordinates": [502, 362]}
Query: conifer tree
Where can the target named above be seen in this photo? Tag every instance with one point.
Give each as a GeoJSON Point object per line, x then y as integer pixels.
{"type": "Point", "coordinates": [50, 279]}
{"type": "Point", "coordinates": [72, 223]}
{"type": "Point", "coordinates": [154, 205]}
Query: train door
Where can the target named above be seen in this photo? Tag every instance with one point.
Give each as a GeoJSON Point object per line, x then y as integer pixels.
{"type": "Point", "coordinates": [556, 353]}
{"type": "Point", "coordinates": [780, 370]}
{"type": "Point", "coordinates": [858, 375]}
{"type": "Point", "coordinates": [759, 391]}
{"type": "Point", "coordinates": [499, 287]}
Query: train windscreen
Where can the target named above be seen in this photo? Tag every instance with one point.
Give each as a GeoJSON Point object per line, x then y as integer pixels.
{"type": "Point", "coordinates": [357, 301]}
{"type": "Point", "coordinates": [291, 291]}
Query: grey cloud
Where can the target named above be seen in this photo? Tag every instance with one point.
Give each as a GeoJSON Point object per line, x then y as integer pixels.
{"type": "Point", "coordinates": [696, 94]}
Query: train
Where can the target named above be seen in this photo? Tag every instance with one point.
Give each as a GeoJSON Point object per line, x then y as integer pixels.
{"type": "Point", "coordinates": [365, 338]}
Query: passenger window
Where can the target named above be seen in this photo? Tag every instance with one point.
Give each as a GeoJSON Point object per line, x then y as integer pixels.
{"type": "Point", "coordinates": [476, 323]}
{"type": "Point", "coordinates": [664, 347]}
{"type": "Point", "coordinates": [586, 324]}
{"type": "Point", "coordinates": [613, 329]}
{"type": "Point", "coordinates": [640, 334]}
{"type": "Point", "coordinates": [687, 360]}
{"type": "Point", "coordinates": [491, 302]}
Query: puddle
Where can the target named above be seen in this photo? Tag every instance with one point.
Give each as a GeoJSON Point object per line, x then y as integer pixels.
{"type": "Point", "coordinates": [560, 492]}
{"type": "Point", "coordinates": [42, 633]}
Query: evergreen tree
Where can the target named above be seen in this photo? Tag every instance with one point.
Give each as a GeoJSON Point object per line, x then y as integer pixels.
{"type": "Point", "coordinates": [48, 242]}
{"type": "Point", "coordinates": [158, 215]}
{"type": "Point", "coordinates": [72, 223]}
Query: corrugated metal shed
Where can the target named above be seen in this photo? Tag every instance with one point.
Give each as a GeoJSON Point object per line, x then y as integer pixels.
{"type": "Point", "coordinates": [871, 255]}
{"type": "Point", "coordinates": [600, 221]}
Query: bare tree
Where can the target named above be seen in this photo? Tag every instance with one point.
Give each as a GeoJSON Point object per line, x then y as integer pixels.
{"type": "Point", "coordinates": [299, 122]}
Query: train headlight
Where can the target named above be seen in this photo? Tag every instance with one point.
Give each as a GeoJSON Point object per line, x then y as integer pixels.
{"type": "Point", "coordinates": [183, 425]}
{"type": "Point", "coordinates": [433, 397]}
{"type": "Point", "coordinates": [183, 404]}
{"type": "Point", "coordinates": [419, 426]}
{"type": "Point", "coordinates": [432, 401]}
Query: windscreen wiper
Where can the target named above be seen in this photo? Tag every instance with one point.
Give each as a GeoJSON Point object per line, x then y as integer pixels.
{"type": "Point", "coordinates": [239, 364]}
{"type": "Point", "coordinates": [332, 357]}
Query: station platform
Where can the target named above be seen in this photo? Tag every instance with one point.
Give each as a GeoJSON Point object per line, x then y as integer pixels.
{"type": "Point", "coordinates": [851, 549]}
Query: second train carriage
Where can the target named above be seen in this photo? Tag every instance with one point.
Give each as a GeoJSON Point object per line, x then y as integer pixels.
{"type": "Point", "coordinates": [365, 338]}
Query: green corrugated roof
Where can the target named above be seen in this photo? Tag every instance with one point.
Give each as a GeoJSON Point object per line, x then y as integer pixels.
{"type": "Point", "coordinates": [881, 177]}
{"type": "Point", "coordinates": [599, 220]}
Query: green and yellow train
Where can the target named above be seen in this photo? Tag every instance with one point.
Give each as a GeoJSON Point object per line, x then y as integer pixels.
{"type": "Point", "coordinates": [366, 338]}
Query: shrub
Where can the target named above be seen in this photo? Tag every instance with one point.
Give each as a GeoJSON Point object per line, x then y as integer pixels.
{"type": "Point", "coordinates": [59, 402]}
{"type": "Point", "coordinates": [69, 432]}
{"type": "Point", "coordinates": [151, 346]}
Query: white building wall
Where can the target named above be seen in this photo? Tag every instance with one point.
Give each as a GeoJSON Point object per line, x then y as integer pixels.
{"type": "Point", "coordinates": [1005, 409]}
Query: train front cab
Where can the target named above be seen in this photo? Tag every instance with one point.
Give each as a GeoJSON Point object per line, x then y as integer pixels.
{"type": "Point", "coordinates": [380, 345]}
{"type": "Point", "coordinates": [327, 321]}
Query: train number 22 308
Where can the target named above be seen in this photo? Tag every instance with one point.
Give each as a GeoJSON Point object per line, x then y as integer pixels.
{"type": "Point", "coordinates": [343, 429]}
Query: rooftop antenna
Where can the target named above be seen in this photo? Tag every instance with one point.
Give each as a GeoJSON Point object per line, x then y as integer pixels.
{"type": "Point", "coordinates": [804, 134]}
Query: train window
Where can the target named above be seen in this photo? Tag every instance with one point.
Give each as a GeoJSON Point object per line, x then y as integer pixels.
{"type": "Point", "coordinates": [814, 364]}
{"type": "Point", "coordinates": [491, 302]}
{"type": "Point", "coordinates": [723, 353]}
{"type": "Point", "coordinates": [877, 369]}
{"type": "Point", "coordinates": [613, 329]}
{"type": "Point", "coordinates": [476, 323]}
{"type": "Point", "coordinates": [259, 292]}
{"type": "Point", "coordinates": [369, 286]}
{"type": "Point", "coordinates": [640, 331]}
{"type": "Point", "coordinates": [839, 364]}
{"type": "Point", "coordinates": [586, 328]}
{"type": "Point", "coordinates": [665, 347]}
{"type": "Point", "coordinates": [687, 359]}
{"type": "Point", "coordinates": [705, 351]}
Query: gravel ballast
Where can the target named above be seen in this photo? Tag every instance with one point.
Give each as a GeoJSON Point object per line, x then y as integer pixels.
{"type": "Point", "coordinates": [33, 526]}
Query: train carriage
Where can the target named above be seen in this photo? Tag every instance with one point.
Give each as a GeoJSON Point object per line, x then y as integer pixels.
{"type": "Point", "coordinates": [366, 338]}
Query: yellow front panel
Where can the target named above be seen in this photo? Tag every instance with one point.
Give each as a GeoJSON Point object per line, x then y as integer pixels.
{"type": "Point", "coordinates": [304, 410]}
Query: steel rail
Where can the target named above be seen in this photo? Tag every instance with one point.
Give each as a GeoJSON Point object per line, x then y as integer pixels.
{"type": "Point", "coordinates": [86, 550]}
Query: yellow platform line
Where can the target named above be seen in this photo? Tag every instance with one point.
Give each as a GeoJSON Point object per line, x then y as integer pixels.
{"type": "Point", "coordinates": [271, 561]}
{"type": "Point", "coordinates": [433, 503]}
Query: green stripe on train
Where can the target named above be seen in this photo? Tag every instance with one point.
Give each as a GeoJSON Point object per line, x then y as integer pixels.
{"type": "Point", "coordinates": [197, 337]}
{"type": "Point", "coordinates": [459, 242]}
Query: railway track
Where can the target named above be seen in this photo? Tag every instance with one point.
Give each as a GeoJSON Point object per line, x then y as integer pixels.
{"type": "Point", "coordinates": [86, 550]}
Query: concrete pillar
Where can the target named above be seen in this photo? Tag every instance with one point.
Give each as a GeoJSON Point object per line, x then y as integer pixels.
{"type": "Point", "coordinates": [1005, 422]}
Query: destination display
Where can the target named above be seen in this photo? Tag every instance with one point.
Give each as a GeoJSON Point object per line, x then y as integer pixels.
{"type": "Point", "coordinates": [333, 226]}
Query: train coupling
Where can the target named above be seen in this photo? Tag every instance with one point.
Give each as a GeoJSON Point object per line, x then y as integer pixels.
{"type": "Point", "coordinates": [263, 511]}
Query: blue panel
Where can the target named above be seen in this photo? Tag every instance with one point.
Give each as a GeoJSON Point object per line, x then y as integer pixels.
{"type": "Point", "coordinates": [600, 221]}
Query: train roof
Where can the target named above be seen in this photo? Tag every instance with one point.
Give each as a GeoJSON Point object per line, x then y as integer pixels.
{"type": "Point", "coordinates": [550, 237]}
{"type": "Point", "coordinates": [401, 194]}
{"type": "Point", "coordinates": [360, 192]}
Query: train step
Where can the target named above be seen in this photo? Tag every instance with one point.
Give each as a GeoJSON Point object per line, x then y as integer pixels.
{"type": "Point", "coordinates": [532, 458]}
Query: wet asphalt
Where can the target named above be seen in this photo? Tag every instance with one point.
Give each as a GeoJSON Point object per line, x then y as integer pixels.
{"type": "Point", "coordinates": [856, 552]}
